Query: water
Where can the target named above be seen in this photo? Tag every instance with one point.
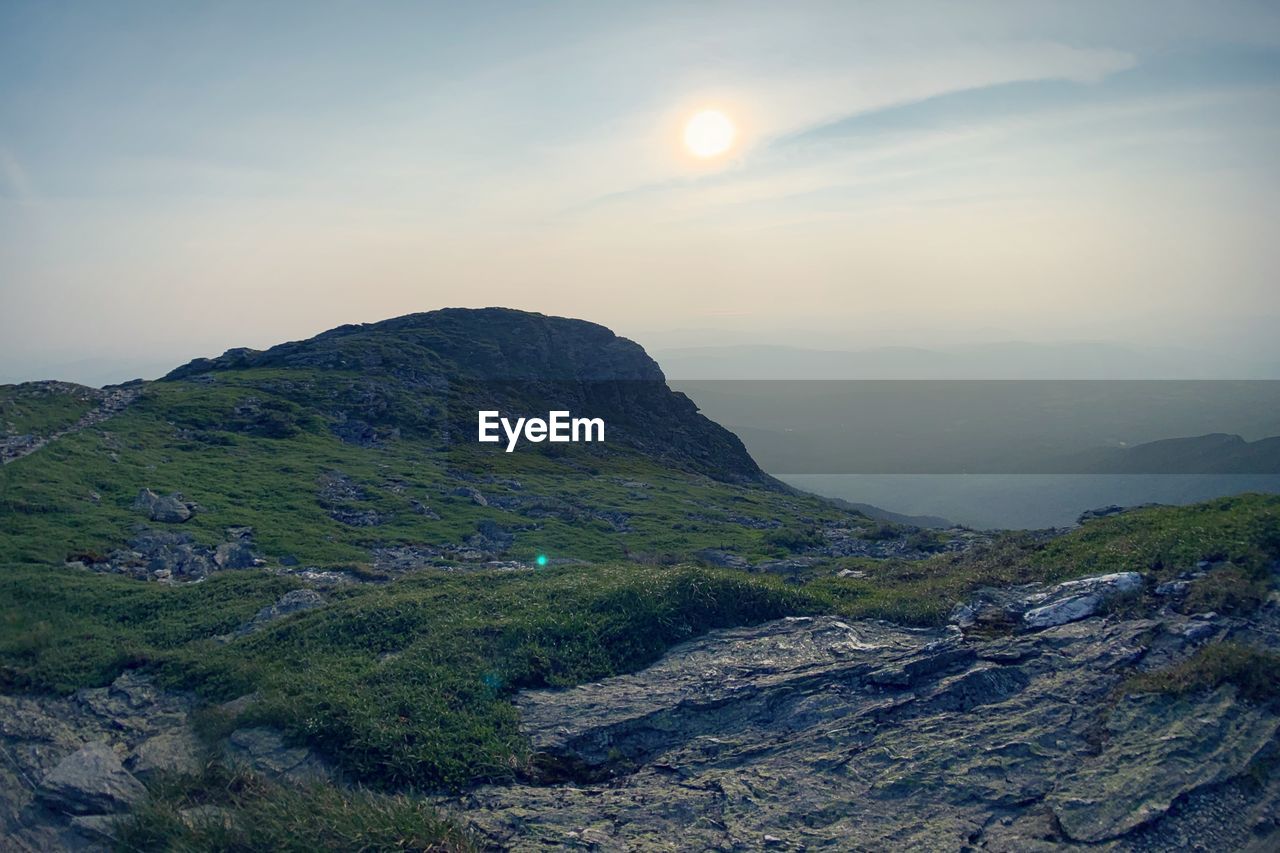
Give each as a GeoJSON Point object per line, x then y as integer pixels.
{"type": "Point", "coordinates": [1024, 501]}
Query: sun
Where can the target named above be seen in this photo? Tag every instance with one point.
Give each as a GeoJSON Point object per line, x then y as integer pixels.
{"type": "Point", "coordinates": [709, 133]}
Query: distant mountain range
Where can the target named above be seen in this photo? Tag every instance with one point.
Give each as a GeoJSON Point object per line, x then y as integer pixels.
{"type": "Point", "coordinates": [1001, 360]}
{"type": "Point", "coordinates": [1216, 453]}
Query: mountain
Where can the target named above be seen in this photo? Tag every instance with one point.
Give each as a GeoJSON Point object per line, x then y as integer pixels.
{"type": "Point", "coordinates": [994, 360]}
{"type": "Point", "coordinates": [415, 371]}
{"type": "Point", "coordinates": [358, 447]}
{"type": "Point", "coordinates": [1216, 453]}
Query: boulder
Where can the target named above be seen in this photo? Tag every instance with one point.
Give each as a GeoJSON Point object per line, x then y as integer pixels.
{"type": "Point", "coordinates": [90, 781]}
{"type": "Point", "coordinates": [170, 509]}
{"type": "Point", "coordinates": [175, 752]}
{"type": "Point", "coordinates": [1033, 607]}
{"type": "Point", "coordinates": [293, 601]}
{"type": "Point", "coordinates": [724, 559]}
{"type": "Point", "coordinates": [265, 751]}
{"type": "Point", "coordinates": [234, 555]}
{"type": "Point", "coordinates": [1079, 599]}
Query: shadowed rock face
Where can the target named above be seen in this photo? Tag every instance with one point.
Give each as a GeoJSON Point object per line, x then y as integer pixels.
{"type": "Point", "coordinates": [820, 734]}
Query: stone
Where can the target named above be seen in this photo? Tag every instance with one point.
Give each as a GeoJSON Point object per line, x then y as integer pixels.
{"type": "Point", "coordinates": [293, 601]}
{"type": "Point", "coordinates": [175, 752]}
{"type": "Point", "coordinates": [724, 559]}
{"type": "Point", "coordinates": [1173, 589]}
{"type": "Point", "coordinates": [235, 555]}
{"type": "Point", "coordinates": [99, 827]}
{"type": "Point", "coordinates": [869, 736]}
{"type": "Point", "coordinates": [90, 781]}
{"type": "Point", "coordinates": [1073, 600]}
{"type": "Point", "coordinates": [265, 751]}
{"type": "Point", "coordinates": [171, 509]}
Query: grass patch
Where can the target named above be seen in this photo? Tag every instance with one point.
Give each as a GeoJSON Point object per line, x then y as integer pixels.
{"type": "Point", "coordinates": [239, 812]}
{"type": "Point", "coordinates": [42, 408]}
{"type": "Point", "coordinates": [1232, 590]}
{"type": "Point", "coordinates": [1254, 672]}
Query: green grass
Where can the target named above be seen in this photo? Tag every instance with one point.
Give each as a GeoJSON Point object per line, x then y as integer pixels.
{"type": "Point", "coordinates": [264, 470]}
{"type": "Point", "coordinates": [1254, 672]}
{"type": "Point", "coordinates": [61, 629]}
{"type": "Point", "coordinates": [404, 684]}
{"type": "Point", "coordinates": [1230, 589]}
{"type": "Point", "coordinates": [407, 684]}
{"type": "Point", "coordinates": [36, 409]}
{"type": "Point", "coordinates": [253, 814]}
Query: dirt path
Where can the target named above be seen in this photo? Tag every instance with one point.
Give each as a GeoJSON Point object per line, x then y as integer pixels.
{"type": "Point", "coordinates": [115, 401]}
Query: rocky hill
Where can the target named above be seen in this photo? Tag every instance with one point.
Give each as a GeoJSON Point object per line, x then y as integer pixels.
{"type": "Point", "coordinates": [357, 448]}
{"type": "Point", "coordinates": [424, 374]}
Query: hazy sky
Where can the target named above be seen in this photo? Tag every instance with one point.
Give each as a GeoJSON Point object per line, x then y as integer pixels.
{"type": "Point", "coordinates": [179, 178]}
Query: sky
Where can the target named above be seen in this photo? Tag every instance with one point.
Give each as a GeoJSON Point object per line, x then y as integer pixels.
{"type": "Point", "coordinates": [178, 178]}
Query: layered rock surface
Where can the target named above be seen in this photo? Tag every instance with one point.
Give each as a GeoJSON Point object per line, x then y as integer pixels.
{"type": "Point", "coordinates": [815, 733]}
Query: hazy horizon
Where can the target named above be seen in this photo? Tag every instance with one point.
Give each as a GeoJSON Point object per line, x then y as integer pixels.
{"type": "Point", "coordinates": [177, 180]}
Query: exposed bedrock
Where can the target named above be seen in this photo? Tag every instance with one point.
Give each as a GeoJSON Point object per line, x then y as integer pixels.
{"type": "Point", "coordinates": [822, 734]}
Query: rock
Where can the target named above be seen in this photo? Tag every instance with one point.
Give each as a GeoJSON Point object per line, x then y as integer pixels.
{"type": "Point", "coordinates": [1159, 748]}
{"type": "Point", "coordinates": [170, 509]}
{"type": "Point", "coordinates": [1034, 607]}
{"type": "Point", "coordinates": [293, 601]}
{"type": "Point", "coordinates": [491, 536]}
{"type": "Point", "coordinates": [1062, 611]}
{"type": "Point", "coordinates": [1079, 599]}
{"type": "Point", "coordinates": [90, 781]}
{"type": "Point", "coordinates": [100, 827]}
{"type": "Point", "coordinates": [175, 752]}
{"type": "Point", "coordinates": [1101, 512]}
{"type": "Point", "coordinates": [471, 494]}
{"type": "Point", "coordinates": [715, 557]}
{"type": "Point", "coordinates": [863, 735]}
{"type": "Point", "coordinates": [264, 751]}
{"type": "Point", "coordinates": [235, 555]}
{"type": "Point", "coordinates": [1173, 589]}
{"type": "Point", "coordinates": [422, 509]}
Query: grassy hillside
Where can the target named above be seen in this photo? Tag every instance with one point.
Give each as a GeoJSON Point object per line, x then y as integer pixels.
{"type": "Point", "coordinates": [406, 683]}
{"type": "Point", "coordinates": [249, 453]}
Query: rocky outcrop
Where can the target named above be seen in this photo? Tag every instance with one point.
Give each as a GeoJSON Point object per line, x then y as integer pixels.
{"type": "Point", "coordinates": [68, 766]}
{"type": "Point", "coordinates": [816, 733]}
{"type": "Point", "coordinates": [293, 601]}
{"type": "Point", "coordinates": [170, 509]}
{"type": "Point", "coordinates": [1032, 607]}
{"type": "Point", "coordinates": [90, 780]}
{"type": "Point", "coordinates": [265, 751]}
{"type": "Point", "coordinates": [174, 556]}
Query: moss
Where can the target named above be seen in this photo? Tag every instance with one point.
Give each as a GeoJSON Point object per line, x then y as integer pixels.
{"type": "Point", "coordinates": [1254, 672]}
